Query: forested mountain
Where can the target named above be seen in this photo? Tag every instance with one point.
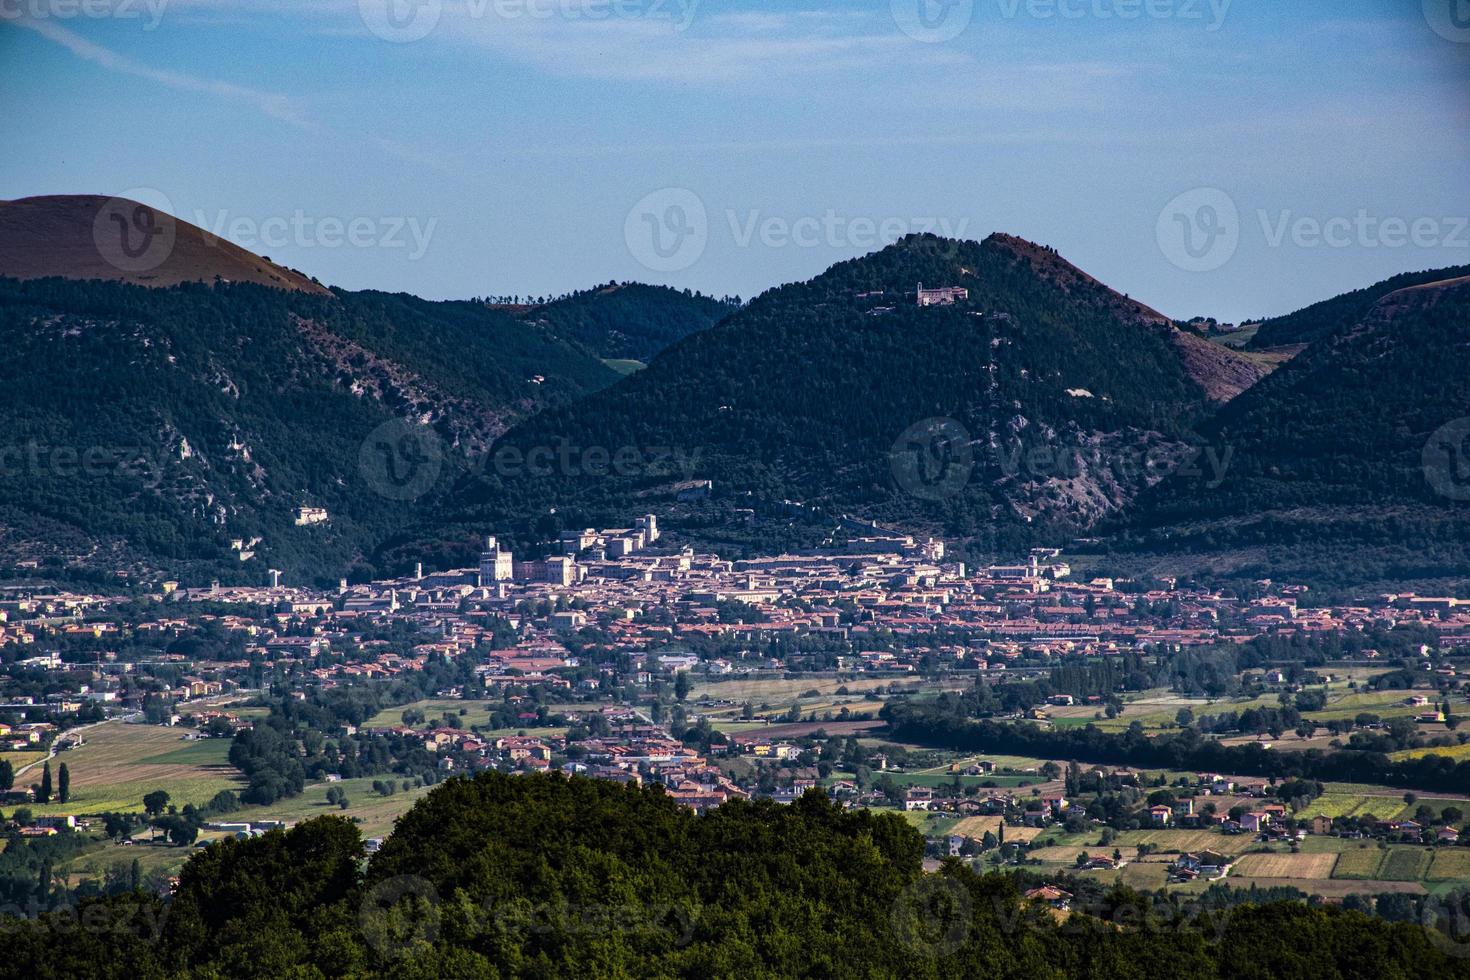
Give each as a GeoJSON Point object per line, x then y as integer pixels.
{"type": "Point", "coordinates": [540, 876]}
{"type": "Point", "coordinates": [88, 236]}
{"type": "Point", "coordinates": [1025, 411]}
{"type": "Point", "coordinates": [158, 427]}
{"type": "Point", "coordinates": [1347, 466]}
{"type": "Point", "coordinates": [187, 425]}
{"type": "Point", "coordinates": [1325, 319]}
{"type": "Point", "coordinates": [628, 321]}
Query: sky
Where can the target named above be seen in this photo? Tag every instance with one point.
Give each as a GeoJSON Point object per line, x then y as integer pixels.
{"type": "Point", "coordinates": [1227, 158]}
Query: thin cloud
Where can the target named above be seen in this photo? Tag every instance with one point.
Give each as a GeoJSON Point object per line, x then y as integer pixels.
{"type": "Point", "coordinates": [272, 104]}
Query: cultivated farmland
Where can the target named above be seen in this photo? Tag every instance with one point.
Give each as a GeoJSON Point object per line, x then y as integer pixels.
{"type": "Point", "coordinates": [121, 762]}
{"type": "Point", "coordinates": [1285, 865]}
{"type": "Point", "coordinates": [1359, 863]}
{"type": "Point", "coordinates": [1405, 864]}
{"type": "Point", "coordinates": [1450, 864]}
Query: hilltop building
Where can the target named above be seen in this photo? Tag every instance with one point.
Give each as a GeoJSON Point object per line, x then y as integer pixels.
{"type": "Point", "coordinates": [943, 296]}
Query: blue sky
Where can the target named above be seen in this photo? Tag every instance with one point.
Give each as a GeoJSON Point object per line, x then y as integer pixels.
{"type": "Point", "coordinates": [1220, 157]}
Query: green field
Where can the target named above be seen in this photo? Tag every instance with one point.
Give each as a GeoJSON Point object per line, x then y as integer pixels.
{"type": "Point", "coordinates": [476, 712]}
{"type": "Point", "coordinates": [121, 762]}
{"type": "Point", "coordinates": [1405, 864]}
{"type": "Point", "coordinates": [1450, 864]}
{"type": "Point", "coordinates": [374, 814]}
{"type": "Point", "coordinates": [22, 759]}
{"type": "Point", "coordinates": [1188, 840]}
{"type": "Point", "coordinates": [1457, 752]}
{"type": "Point", "coordinates": [1336, 803]}
{"type": "Point", "coordinates": [1359, 863]}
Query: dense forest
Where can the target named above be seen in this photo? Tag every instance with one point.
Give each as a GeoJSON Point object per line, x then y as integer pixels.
{"type": "Point", "coordinates": [812, 392]}
{"type": "Point", "coordinates": [1330, 317]}
{"type": "Point", "coordinates": [546, 877]}
{"type": "Point", "coordinates": [163, 424]}
{"type": "Point", "coordinates": [629, 321]}
{"type": "Point", "coordinates": [1346, 465]}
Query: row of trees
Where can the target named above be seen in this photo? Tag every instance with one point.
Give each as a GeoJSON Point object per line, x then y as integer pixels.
{"type": "Point", "coordinates": [949, 721]}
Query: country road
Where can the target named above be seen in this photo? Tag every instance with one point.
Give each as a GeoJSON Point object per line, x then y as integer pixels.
{"type": "Point", "coordinates": [52, 753]}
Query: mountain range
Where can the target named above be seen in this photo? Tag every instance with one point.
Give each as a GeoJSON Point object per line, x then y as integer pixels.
{"type": "Point", "coordinates": [1019, 402]}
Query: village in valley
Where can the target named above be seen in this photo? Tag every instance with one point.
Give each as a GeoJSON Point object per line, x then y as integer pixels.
{"type": "Point", "coordinates": [620, 657]}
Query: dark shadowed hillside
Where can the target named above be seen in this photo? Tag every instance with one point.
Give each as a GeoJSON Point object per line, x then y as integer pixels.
{"type": "Point", "coordinates": [1325, 319]}
{"type": "Point", "coordinates": [1347, 466]}
{"type": "Point", "coordinates": [628, 321]}
{"type": "Point", "coordinates": [190, 425]}
{"type": "Point", "coordinates": [1025, 411]}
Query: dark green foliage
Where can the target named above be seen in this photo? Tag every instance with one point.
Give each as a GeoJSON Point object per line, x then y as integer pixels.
{"type": "Point", "coordinates": [1328, 478]}
{"type": "Point", "coordinates": [1331, 317]}
{"type": "Point", "coordinates": [545, 877]}
{"type": "Point", "coordinates": [154, 802]}
{"type": "Point", "coordinates": [171, 421]}
{"type": "Point", "coordinates": [628, 321]}
{"type": "Point", "coordinates": [262, 906]}
{"type": "Point", "coordinates": [804, 393]}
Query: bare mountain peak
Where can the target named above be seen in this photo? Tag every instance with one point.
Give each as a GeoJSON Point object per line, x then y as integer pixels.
{"type": "Point", "coordinates": [92, 236]}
